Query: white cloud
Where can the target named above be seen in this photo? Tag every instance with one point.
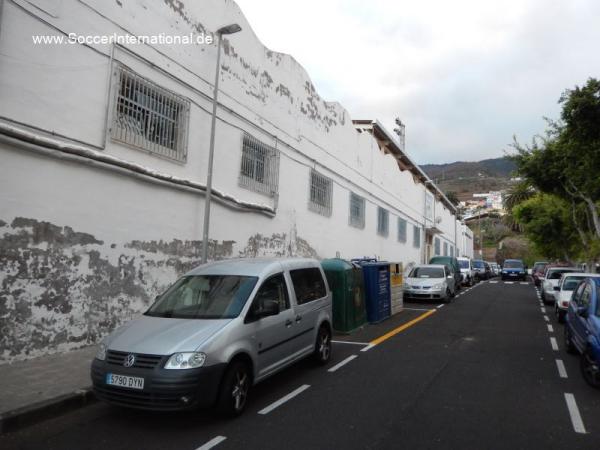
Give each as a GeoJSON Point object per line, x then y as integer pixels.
{"type": "Point", "coordinates": [464, 75]}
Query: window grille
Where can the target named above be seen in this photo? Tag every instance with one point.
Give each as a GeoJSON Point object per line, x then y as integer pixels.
{"type": "Point", "coordinates": [150, 117]}
{"type": "Point", "coordinates": [260, 166]}
{"type": "Point", "coordinates": [383, 218]}
{"type": "Point", "coordinates": [452, 251]}
{"type": "Point", "coordinates": [401, 230]}
{"type": "Point", "coordinates": [357, 211]}
{"type": "Point", "coordinates": [416, 237]}
{"type": "Point", "coordinates": [445, 249]}
{"type": "Point", "coordinates": [437, 246]}
{"type": "Point", "coordinates": [321, 189]}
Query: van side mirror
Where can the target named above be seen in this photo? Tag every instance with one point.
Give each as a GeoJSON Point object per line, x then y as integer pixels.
{"type": "Point", "coordinates": [270, 308]}
{"type": "Point", "coordinates": [557, 288]}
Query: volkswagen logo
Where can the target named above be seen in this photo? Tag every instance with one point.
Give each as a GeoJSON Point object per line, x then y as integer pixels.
{"type": "Point", "coordinates": [129, 360]}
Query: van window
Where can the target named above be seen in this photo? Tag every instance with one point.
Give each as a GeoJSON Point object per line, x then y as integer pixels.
{"type": "Point", "coordinates": [273, 289]}
{"type": "Point", "coordinates": [204, 297]}
{"type": "Point", "coordinates": [308, 284]}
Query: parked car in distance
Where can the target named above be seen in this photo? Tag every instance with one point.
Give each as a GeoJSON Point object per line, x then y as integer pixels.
{"type": "Point", "coordinates": [430, 282]}
{"type": "Point", "coordinates": [480, 270]}
{"type": "Point", "coordinates": [551, 279]}
{"type": "Point", "coordinates": [563, 292]}
{"type": "Point", "coordinates": [582, 329]}
{"type": "Point", "coordinates": [513, 269]}
{"type": "Point", "coordinates": [466, 271]}
{"type": "Point", "coordinates": [453, 263]}
{"type": "Point", "coordinates": [218, 330]}
{"type": "Point", "coordinates": [495, 268]}
{"type": "Point", "coordinates": [537, 273]}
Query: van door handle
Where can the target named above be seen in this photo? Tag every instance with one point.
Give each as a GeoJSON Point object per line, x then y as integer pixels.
{"type": "Point", "coordinates": [288, 323]}
{"type": "Point", "coordinates": [298, 318]}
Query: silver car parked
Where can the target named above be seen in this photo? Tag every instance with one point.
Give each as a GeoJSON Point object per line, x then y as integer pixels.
{"type": "Point", "coordinates": [214, 333]}
{"type": "Point", "coordinates": [430, 282]}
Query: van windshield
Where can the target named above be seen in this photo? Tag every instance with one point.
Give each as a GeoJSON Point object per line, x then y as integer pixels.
{"type": "Point", "coordinates": [463, 263]}
{"type": "Point", "coordinates": [427, 272]}
{"type": "Point", "coordinates": [204, 297]}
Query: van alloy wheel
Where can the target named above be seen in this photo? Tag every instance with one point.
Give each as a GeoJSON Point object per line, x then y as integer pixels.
{"type": "Point", "coordinates": [590, 370]}
{"type": "Point", "coordinates": [323, 346]}
{"type": "Point", "coordinates": [234, 389]}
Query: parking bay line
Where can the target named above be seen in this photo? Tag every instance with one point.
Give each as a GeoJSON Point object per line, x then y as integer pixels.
{"type": "Point", "coordinates": [401, 328]}
{"type": "Point", "coordinates": [342, 363]}
{"type": "Point", "coordinates": [212, 443]}
{"type": "Point", "coordinates": [574, 413]}
{"type": "Point", "coordinates": [350, 342]}
{"type": "Point", "coordinates": [550, 328]}
{"type": "Point", "coordinates": [283, 400]}
{"type": "Point", "coordinates": [554, 344]}
{"type": "Point", "coordinates": [562, 371]}
{"type": "Point", "coordinates": [546, 318]}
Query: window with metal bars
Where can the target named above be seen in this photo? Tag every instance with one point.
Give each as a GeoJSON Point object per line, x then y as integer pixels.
{"type": "Point", "coordinates": [445, 249]}
{"type": "Point", "coordinates": [383, 221]}
{"type": "Point", "coordinates": [357, 211]}
{"type": "Point", "coordinates": [149, 117]}
{"type": "Point", "coordinates": [437, 246]}
{"type": "Point", "coordinates": [416, 237]}
{"type": "Point", "coordinates": [321, 188]}
{"type": "Point", "coordinates": [260, 166]}
{"type": "Point", "coordinates": [401, 230]}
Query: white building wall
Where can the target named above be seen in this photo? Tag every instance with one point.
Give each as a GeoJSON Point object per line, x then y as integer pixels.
{"type": "Point", "coordinates": [86, 242]}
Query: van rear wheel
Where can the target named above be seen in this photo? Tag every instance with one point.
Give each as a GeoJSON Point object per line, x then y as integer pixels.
{"type": "Point", "coordinates": [322, 353]}
{"type": "Point", "coordinates": [234, 390]}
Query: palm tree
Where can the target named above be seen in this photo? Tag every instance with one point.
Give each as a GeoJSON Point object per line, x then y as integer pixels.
{"type": "Point", "coordinates": [517, 194]}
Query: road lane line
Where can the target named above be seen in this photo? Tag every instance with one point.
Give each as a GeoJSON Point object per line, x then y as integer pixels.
{"type": "Point", "coordinates": [550, 329]}
{"type": "Point", "coordinates": [508, 282]}
{"type": "Point", "coordinates": [543, 310]}
{"type": "Point", "coordinates": [574, 413]}
{"type": "Point", "coordinates": [394, 332]}
{"type": "Point", "coordinates": [342, 363]}
{"type": "Point", "coordinates": [416, 309]}
{"type": "Point", "coordinates": [282, 400]}
{"type": "Point", "coordinates": [439, 306]}
{"type": "Point", "coordinates": [350, 342]}
{"type": "Point", "coordinates": [554, 344]}
{"type": "Point", "coordinates": [493, 282]}
{"type": "Point", "coordinates": [562, 371]}
{"type": "Point", "coordinates": [367, 348]}
{"type": "Point", "coordinates": [212, 443]}
{"type": "Point", "coordinates": [524, 282]}
{"type": "Point", "coordinates": [546, 318]}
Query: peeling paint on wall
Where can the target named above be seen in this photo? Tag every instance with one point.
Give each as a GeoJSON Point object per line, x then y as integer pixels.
{"type": "Point", "coordinates": [278, 245]}
{"type": "Point", "coordinates": [61, 289]}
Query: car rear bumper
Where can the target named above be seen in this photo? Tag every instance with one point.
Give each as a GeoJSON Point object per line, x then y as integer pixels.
{"type": "Point", "coordinates": [164, 390]}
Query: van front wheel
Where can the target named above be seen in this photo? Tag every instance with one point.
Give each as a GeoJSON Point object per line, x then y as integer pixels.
{"type": "Point", "coordinates": [234, 390]}
{"type": "Point", "coordinates": [322, 353]}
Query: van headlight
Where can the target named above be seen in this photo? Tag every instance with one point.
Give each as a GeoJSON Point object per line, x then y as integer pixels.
{"type": "Point", "coordinates": [101, 352]}
{"type": "Point", "coordinates": [438, 286]}
{"type": "Point", "coordinates": [189, 360]}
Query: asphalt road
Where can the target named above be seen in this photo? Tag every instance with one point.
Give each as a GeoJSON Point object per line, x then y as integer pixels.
{"type": "Point", "coordinates": [479, 373]}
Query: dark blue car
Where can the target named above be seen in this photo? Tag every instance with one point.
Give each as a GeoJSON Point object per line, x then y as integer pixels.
{"type": "Point", "coordinates": [582, 330]}
{"type": "Point", "coordinates": [513, 269]}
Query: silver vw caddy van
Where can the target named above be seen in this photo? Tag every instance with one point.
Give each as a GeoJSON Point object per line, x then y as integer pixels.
{"type": "Point", "coordinates": [217, 331]}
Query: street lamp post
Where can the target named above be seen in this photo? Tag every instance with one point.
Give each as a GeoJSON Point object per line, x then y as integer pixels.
{"type": "Point", "coordinates": [229, 29]}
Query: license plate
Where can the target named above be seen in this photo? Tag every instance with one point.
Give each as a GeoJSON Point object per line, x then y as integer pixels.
{"type": "Point", "coordinates": [124, 381]}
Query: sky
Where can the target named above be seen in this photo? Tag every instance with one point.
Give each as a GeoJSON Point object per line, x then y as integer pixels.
{"type": "Point", "coordinates": [464, 76]}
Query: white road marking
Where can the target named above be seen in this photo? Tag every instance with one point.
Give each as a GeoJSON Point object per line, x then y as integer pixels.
{"type": "Point", "coordinates": [367, 348]}
{"type": "Point", "coordinates": [282, 400]}
{"type": "Point", "coordinates": [546, 318]}
{"type": "Point", "coordinates": [342, 363]}
{"type": "Point", "coordinates": [550, 329]}
{"type": "Point", "coordinates": [493, 282]}
{"type": "Point", "coordinates": [524, 282]}
{"type": "Point", "coordinates": [508, 282]}
{"type": "Point", "coordinates": [574, 413]}
{"type": "Point", "coordinates": [554, 344]}
{"type": "Point", "coordinates": [562, 371]}
{"type": "Point", "coordinates": [356, 343]}
{"type": "Point", "coordinates": [414, 309]}
{"type": "Point", "coordinates": [440, 306]}
{"type": "Point", "coordinates": [543, 309]}
{"type": "Point", "coordinates": [212, 443]}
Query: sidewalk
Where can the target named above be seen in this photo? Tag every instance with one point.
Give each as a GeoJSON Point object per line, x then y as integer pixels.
{"type": "Point", "coordinates": [43, 386]}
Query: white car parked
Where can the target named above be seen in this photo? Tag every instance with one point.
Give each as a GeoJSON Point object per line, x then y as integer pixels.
{"type": "Point", "coordinates": [466, 271]}
{"type": "Point", "coordinates": [551, 282]}
{"type": "Point", "coordinates": [563, 292]}
{"type": "Point", "coordinates": [430, 282]}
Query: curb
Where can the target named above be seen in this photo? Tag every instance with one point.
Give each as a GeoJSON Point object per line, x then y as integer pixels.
{"type": "Point", "coordinates": [38, 412]}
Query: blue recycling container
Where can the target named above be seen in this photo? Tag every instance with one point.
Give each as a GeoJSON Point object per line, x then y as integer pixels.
{"type": "Point", "coordinates": [377, 289]}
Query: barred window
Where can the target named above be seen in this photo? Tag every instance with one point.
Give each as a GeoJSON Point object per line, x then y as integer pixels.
{"type": "Point", "coordinates": [150, 117]}
{"type": "Point", "coordinates": [437, 246]}
{"type": "Point", "coordinates": [416, 237]}
{"type": "Point", "coordinates": [383, 221]}
{"type": "Point", "coordinates": [401, 230]}
{"type": "Point", "coordinates": [260, 166]}
{"type": "Point", "coordinates": [452, 251]}
{"type": "Point", "coordinates": [321, 189]}
{"type": "Point", "coordinates": [357, 211]}
{"type": "Point", "coordinates": [445, 249]}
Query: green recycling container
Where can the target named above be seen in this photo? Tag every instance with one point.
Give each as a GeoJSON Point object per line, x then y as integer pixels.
{"type": "Point", "coordinates": [347, 289]}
